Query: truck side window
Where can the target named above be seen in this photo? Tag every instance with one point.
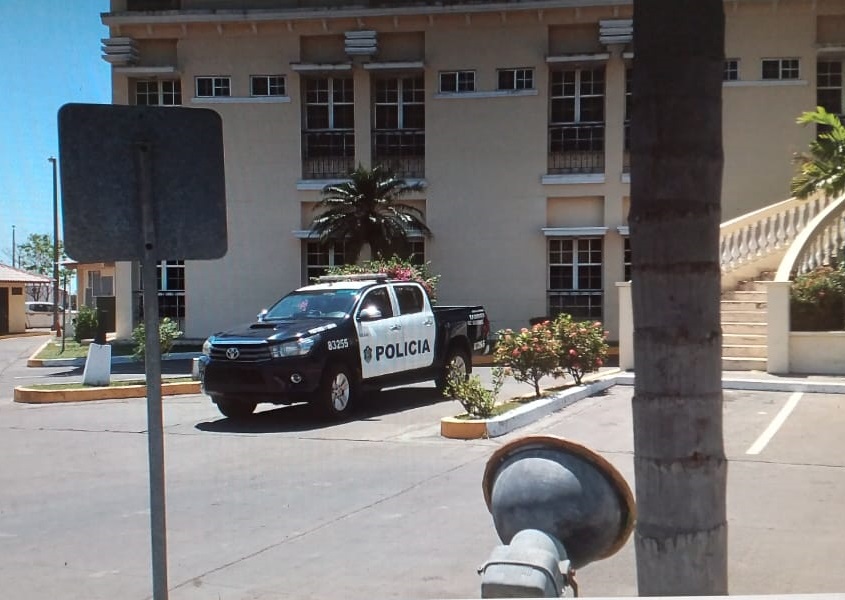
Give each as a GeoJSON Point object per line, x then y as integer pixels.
{"type": "Point", "coordinates": [410, 299]}
{"type": "Point", "coordinates": [381, 300]}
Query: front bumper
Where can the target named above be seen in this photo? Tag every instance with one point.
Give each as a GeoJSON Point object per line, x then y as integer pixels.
{"type": "Point", "coordinates": [278, 380]}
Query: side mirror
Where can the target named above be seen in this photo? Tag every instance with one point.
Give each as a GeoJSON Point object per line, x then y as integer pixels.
{"type": "Point", "coordinates": [369, 313]}
{"type": "Point", "coordinates": [262, 314]}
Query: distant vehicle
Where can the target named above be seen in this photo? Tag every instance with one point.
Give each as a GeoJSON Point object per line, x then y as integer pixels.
{"type": "Point", "coordinates": [40, 314]}
{"type": "Point", "coordinates": [328, 342]}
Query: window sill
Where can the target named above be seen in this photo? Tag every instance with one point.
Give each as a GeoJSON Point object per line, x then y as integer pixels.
{"type": "Point", "coordinates": [241, 100]}
{"type": "Point", "coordinates": [488, 94]}
{"type": "Point", "coordinates": [766, 83]}
{"type": "Point", "coordinates": [572, 179]}
{"type": "Point", "coordinates": [312, 185]}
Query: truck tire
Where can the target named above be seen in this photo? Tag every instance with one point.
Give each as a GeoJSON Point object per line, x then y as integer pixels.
{"type": "Point", "coordinates": [234, 409]}
{"type": "Point", "coordinates": [456, 359]}
{"type": "Point", "coordinates": [336, 396]}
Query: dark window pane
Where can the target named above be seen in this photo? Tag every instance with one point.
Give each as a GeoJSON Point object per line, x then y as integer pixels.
{"type": "Point", "coordinates": [317, 117]}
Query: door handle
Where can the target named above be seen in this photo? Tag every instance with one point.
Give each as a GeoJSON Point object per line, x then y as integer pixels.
{"type": "Point", "coordinates": [395, 327]}
{"type": "Point", "coordinates": [428, 322]}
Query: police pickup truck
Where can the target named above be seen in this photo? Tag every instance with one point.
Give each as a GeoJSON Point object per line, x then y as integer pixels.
{"type": "Point", "coordinates": [327, 343]}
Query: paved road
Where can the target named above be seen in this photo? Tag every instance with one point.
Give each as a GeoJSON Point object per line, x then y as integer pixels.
{"type": "Point", "coordinates": [381, 507]}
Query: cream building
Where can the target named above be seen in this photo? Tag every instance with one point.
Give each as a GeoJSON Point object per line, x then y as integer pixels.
{"type": "Point", "coordinates": [513, 114]}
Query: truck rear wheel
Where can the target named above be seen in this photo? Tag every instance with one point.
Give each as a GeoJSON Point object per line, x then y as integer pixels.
{"type": "Point", "coordinates": [234, 409]}
{"type": "Point", "coordinates": [336, 395]}
{"type": "Point", "coordinates": [457, 361]}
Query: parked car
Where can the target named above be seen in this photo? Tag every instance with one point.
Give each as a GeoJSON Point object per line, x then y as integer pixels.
{"type": "Point", "coordinates": [327, 343]}
{"type": "Point", "coordinates": [40, 314]}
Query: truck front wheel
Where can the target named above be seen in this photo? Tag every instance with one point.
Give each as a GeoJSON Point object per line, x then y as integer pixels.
{"type": "Point", "coordinates": [458, 362]}
{"type": "Point", "coordinates": [234, 409]}
{"type": "Point", "coordinates": [336, 395]}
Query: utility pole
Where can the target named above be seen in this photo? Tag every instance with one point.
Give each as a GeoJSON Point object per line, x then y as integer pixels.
{"type": "Point", "coordinates": [13, 247]}
{"type": "Point", "coordinates": [52, 159]}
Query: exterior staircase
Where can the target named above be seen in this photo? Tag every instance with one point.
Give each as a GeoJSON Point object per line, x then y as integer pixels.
{"type": "Point", "coordinates": [744, 325]}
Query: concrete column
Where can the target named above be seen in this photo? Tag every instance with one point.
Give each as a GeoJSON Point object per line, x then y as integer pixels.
{"type": "Point", "coordinates": [777, 329]}
{"type": "Point", "coordinates": [363, 117]}
{"type": "Point", "coordinates": [123, 299]}
{"type": "Point", "coordinates": [626, 326]}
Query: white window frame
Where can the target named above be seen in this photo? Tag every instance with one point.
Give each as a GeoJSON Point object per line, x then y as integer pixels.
{"type": "Point", "coordinates": [330, 103]}
{"type": "Point", "coordinates": [221, 86]}
{"type": "Point", "coordinates": [400, 102]}
{"type": "Point", "coordinates": [827, 86]}
{"type": "Point", "coordinates": [278, 82]}
{"type": "Point", "coordinates": [521, 76]}
{"type": "Point", "coordinates": [459, 82]}
{"type": "Point", "coordinates": [333, 249]}
{"type": "Point", "coordinates": [731, 71]}
{"type": "Point", "coordinates": [787, 71]}
{"type": "Point", "coordinates": [576, 265]}
{"type": "Point", "coordinates": [164, 97]}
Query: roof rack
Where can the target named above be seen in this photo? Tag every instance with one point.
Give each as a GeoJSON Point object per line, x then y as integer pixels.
{"type": "Point", "coordinates": [380, 277]}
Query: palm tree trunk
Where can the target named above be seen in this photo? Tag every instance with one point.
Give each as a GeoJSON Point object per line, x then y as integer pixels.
{"type": "Point", "coordinates": [680, 466]}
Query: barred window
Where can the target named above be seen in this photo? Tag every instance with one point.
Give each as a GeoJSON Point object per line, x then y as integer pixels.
{"type": "Point", "coordinates": [575, 277]}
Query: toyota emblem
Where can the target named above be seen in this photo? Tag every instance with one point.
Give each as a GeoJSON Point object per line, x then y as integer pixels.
{"type": "Point", "coordinates": [232, 353]}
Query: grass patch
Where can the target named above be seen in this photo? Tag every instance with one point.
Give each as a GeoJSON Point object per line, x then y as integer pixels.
{"type": "Point", "coordinates": [74, 349]}
{"type": "Point", "coordinates": [113, 384]}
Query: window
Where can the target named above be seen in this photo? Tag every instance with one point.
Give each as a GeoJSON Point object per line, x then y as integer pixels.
{"type": "Point", "coordinates": [158, 93]}
{"type": "Point", "coordinates": [515, 79]}
{"type": "Point", "coordinates": [731, 70]}
{"type": "Point", "coordinates": [380, 299]}
{"type": "Point", "coordinates": [626, 143]}
{"type": "Point", "coordinates": [98, 285]}
{"type": "Point", "coordinates": [457, 81]}
{"type": "Point", "coordinates": [576, 122]}
{"type": "Point", "coordinates": [171, 290]}
{"type": "Point", "coordinates": [780, 68]}
{"type": "Point", "coordinates": [328, 140]}
{"type": "Point", "coordinates": [416, 252]}
{"type": "Point", "coordinates": [319, 257]}
{"type": "Point", "coordinates": [267, 85]}
{"type": "Point", "coordinates": [212, 87]}
{"type": "Point", "coordinates": [575, 277]}
{"type": "Point", "coordinates": [399, 125]}
{"type": "Point", "coordinates": [829, 86]}
{"type": "Point", "coordinates": [626, 258]}
{"type": "Point", "coordinates": [410, 299]}
{"type": "Point", "coordinates": [329, 103]}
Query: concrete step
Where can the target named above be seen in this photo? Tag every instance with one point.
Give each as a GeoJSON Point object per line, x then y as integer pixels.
{"type": "Point", "coordinates": [749, 296]}
{"type": "Point", "coordinates": [744, 339]}
{"type": "Point", "coordinates": [744, 351]}
{"type": "Point", "coordinates": [743, 316]}
{"type": "Point", "coordinates": [734, 305]}
{"type": "Point", "coordinates": [743, 364]}
{"type": "Point", "coordinates": [738, 328]}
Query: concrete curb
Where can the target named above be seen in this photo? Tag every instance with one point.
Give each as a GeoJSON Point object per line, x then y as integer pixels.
{"type": "Point", "coordinates": [115, 360]}
{"type": "Point", "coordinates": [466, 429]}
{"type": "Point", "coordinates": [29, 395]}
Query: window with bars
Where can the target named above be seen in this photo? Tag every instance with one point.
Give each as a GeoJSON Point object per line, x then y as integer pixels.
{"type": "Point", "coordinates": [515, 79]}
{"type": "Point", "coordinates": [171, 289]}
{"type": "Point", "coordinates": [164, 92]}
{"type": "Point", "coordinates": [328, 138]}
{"type": "Point", "coordinates": [731, 72]}
{"type": "Point", "coordinates": [576, 121]}
{"type": "Point", "coordinates": [267, 85]}
{"type": "Point", "coordinates": [780, 68]}
{"type": "Point", "coordinates": [399, 124]}
{"type": "Point", "coordinates": [575, 277]}
{"type": "Point", "coordinates": [829, 86]}
{"type": "Point", "coordinates": [319, 257]}
{"type": "Point", "coordinates": [457, 81]}
{"type": "Point", "coordinates": [626, 258]}
{"type": "Point", "coordinates": [626, 125]}
{"type": "Point", "coordinates": [212, 87]}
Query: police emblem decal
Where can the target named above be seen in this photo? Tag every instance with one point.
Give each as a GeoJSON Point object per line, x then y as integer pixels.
{"type": "Point", "coordinates": [368, 354]}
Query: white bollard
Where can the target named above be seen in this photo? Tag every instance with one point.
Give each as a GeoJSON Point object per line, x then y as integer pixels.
{"type": "Point", "coordinates": [98, 365]}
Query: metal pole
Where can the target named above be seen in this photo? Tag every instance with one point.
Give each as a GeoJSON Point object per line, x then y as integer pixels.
{"type": "Point", "coordinates": [52, 159]}
{"type": "Point", "coordinates": [13, 248]}
{"type": "Point", "coordinates": [152, 363]}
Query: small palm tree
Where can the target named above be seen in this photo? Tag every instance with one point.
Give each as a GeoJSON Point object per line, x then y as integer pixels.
{"type": "Point", "coordinates": [365, 210]}
{"type": "Point", "coordinates": [823, 166]}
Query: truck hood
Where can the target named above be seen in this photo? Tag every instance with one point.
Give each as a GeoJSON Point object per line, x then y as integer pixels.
{"type": "Point", "coordinates": [274, 331]}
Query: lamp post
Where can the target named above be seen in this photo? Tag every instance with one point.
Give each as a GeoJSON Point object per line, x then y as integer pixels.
{"type": "Point", "coordinates": [52, 159]}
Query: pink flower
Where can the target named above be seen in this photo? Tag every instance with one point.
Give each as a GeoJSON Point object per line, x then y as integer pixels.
{"type": "Point", "coordinates": [573, 352]}
{"type": "Point", "coordinates": [515, 353]}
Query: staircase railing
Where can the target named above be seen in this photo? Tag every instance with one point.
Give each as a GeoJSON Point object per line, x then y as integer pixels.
{"type": "Point", "coordinates": [819, 243]}
{"type": "Point", "coordinates": [757, 241]}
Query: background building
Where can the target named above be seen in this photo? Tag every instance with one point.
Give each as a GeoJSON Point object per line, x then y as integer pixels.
{"type": "Point", "coordinates": [514, 115]}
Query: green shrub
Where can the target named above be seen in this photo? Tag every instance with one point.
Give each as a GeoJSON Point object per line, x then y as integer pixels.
{"type": "Point", "coordinates": [529, 354]}
{"type": "Point", "coordinates": [168, 332]}
{"type": "Point", "coordinates": [395, 268]}
{"type": "Point", "coordinates": [582, 347]}
{"type": "Point", "coordinates": [86, 324]}
{"type": "Point", "coordinates": [817, 300]}
{"type": "Point", "coordinates": [478, 401]}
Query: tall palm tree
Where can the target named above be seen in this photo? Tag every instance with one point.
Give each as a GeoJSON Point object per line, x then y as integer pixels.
{"type": "Point", "coordinates": [366, 211]}
{"type": "Point", "coordinates": [823, 166]}
{"type": "Point", "coordinates": [679, 457]}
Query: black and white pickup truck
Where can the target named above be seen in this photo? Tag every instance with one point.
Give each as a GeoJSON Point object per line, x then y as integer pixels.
{"type": "Point", "coordinates": [329, 342]}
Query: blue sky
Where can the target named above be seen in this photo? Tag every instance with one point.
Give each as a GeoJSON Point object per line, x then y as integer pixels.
{"type": "Point", "coordinates": [51, 56]}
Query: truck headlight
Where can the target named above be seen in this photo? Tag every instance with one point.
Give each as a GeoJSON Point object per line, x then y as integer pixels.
{"type": "Point", "coordinates": [298, 347]}
{"type": "Point", "coordinates": [206, 347]}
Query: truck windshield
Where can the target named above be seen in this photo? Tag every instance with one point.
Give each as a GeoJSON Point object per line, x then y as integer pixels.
{"type": "Point", "coordinates": [322, 304]}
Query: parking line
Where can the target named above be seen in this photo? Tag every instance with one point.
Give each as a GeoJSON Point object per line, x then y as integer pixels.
{"type": "Point", "coordinates": [776, 423]}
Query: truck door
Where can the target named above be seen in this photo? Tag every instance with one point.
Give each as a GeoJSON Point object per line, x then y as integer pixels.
{"type": "Point", "coordinates": [418, 327]}
{"type": "Point", "coordinates": [379, 340]}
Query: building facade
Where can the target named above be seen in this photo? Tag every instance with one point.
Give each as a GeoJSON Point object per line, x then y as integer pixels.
{"type": "Point", "coordinates": [513, 114]}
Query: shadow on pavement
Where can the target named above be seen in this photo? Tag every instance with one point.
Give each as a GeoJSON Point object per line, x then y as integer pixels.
{"type": "Point", "coordinates": [301, 417]}
{"type": "Point", "coordinates": [168, 367]}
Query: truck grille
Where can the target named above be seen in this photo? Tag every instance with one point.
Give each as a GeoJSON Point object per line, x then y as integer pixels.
{"type": "Point", "coordinates": [240, 352]}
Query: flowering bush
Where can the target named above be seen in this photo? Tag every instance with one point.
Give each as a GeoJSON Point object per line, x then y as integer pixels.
{"type": "Point", "coordinates": [477, 400]}
{"type": "Point", "coordinates": [817, 300]}
{"type": "Point", "coordinates": [529, 354]}
{"type": "Point", "coordinates": [582, 347]}
{"type": "Point", "coordinates": [395, 268]}
{"type": "Point", "coordinates": [168, 332]}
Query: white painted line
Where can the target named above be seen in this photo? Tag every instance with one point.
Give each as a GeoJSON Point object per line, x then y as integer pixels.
{"type": "Point", "coordinates": [776, 424]}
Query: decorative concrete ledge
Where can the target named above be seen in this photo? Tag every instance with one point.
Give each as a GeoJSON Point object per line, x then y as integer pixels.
{"type": "Point", "coordinates": [28, 395]}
